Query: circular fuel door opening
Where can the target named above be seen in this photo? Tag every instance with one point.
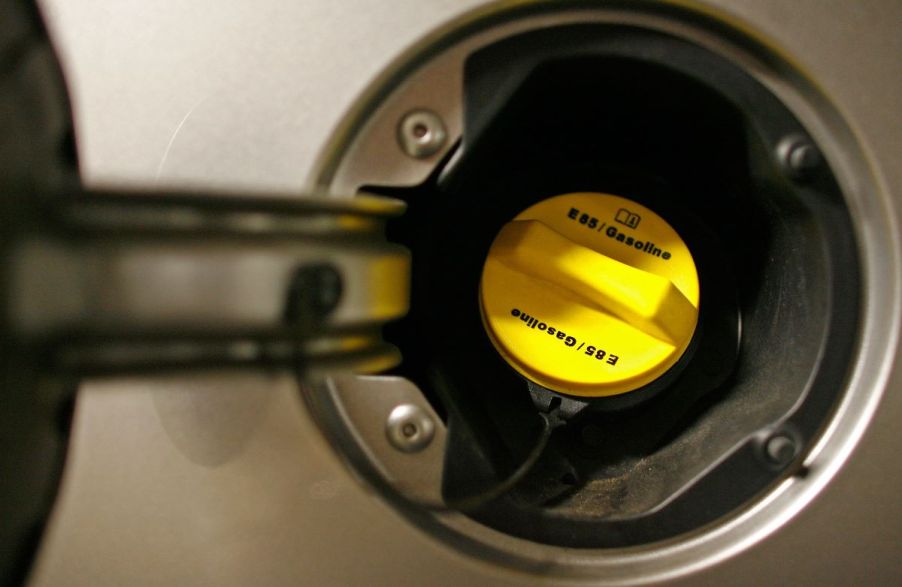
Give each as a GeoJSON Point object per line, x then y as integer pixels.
{"type": "Point", "coordinates": [590, 295]}
{"type": "Point", "coordinates": [648, 367]}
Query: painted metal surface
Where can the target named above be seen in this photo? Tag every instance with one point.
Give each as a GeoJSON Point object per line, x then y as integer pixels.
{"type": "Point", "coordinates": [223, 478]}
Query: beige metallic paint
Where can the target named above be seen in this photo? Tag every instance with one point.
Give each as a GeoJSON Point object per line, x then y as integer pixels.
{"type": "Point", "coordinates": [223, 479]}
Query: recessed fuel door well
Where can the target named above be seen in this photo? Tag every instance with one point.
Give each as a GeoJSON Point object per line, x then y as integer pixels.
{"type": "Point", "coordinates": [684, 132]}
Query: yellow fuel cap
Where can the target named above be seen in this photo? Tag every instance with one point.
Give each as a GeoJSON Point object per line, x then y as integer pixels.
{"type": "Point", "coordinates": [589, 294]}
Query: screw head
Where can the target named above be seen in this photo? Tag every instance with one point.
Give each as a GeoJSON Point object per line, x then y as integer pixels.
{"type": "Point", "coordinates": [798, 155]}
{"type": "Point", "coordinates": [780, 449]}
{"type": "Point", "coordinates": [421, 134]}
{"type": "Point", "coordinates": [409, 428]}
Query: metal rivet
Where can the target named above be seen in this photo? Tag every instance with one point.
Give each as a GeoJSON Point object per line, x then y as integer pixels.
{"type": "Point", "coordinates": [421, 134]}
{"type": "Point", "coordinates": [780, 449]}
{"type": "Point", "coordinates": [409, 428]}
{"type": "Point", "coordinates": [798, 155]}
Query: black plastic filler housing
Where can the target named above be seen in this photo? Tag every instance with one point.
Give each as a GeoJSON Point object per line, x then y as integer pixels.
{"type": "Point", "coordinates": [614, 109]}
